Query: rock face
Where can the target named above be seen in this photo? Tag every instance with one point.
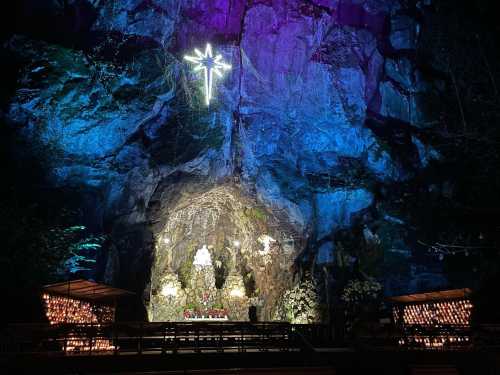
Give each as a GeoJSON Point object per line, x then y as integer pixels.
{"type": "Point", "coordinates": [288, 131]}
{"type": "Point", "coordinates": [337, 208]}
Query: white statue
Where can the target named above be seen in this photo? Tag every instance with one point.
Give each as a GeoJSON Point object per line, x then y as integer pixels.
{"type": "Point", "coordinates": [202, 258]}
{"type": "Point", "coordinates": [266, 242]}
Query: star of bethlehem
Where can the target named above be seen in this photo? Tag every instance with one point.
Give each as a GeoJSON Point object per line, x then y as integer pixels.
{"type": "Point", "coordinates": [210, 65]}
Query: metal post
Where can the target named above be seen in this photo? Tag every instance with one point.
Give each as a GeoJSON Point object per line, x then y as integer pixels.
{"type": "Point", "coordinates": [66, 317]}
{"type": "Point", "coordinates": [163, 347]}
{"type": "Point", "coordinates": [114, 309]}
{"type": "Point", "coordinates": [174, 350]}
{"type": "Point", "coordinates": [197, 346]}
{"type": "Point", "coordinates": [242, 338]}
{"type": "Point", "coordinates": [221, 339]}
{"type": "Point", "coordinates": [139, 344]}
{"type": "Point", "coordinates": [90, 331]}
{"type": "Point", "coordinates": [67, 302]}
{"type": "Point", "coordinates": [115, 329]}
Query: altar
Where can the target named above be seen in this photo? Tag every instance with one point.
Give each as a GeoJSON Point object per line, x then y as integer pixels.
{"type": "Point", "coordinates": [207, 319]}
{"type": "Point", "coordinates": [199, 299]}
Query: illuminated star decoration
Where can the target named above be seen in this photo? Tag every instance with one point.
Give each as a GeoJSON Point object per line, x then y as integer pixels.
{"type": "Point", "coordinates": [209, 65]}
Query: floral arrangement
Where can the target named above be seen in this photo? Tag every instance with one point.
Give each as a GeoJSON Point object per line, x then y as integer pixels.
{"type": "Point", "coordinates": [299, 304]}
{"type": "Point", "coordinates": [358, 291]}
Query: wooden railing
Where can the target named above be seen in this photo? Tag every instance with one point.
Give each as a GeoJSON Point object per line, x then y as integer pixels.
{"type": "Point", "coordinates": [198, 337]}
{"type": "Point", "coordinates": [164, 338]}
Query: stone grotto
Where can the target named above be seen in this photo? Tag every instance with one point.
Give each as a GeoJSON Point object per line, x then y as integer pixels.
{"type": "Point", "coordinates": [294, 179]}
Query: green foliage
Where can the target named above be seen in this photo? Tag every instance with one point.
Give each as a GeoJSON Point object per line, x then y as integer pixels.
{"type": "Point", "coordinates": [299, 305]}
{"type": "Point", "coordinates": [256, 213]}
{"type": "Point", "coordinates": [218, 305]}
{"type": "Point", "coordinates": [191, 306]}
{"type": "Point", "coordinates": [186, 269]}
{"type": "Point", "coordinates": [77, 248]}
{"type": "Point", "coordinates": [361, 291]}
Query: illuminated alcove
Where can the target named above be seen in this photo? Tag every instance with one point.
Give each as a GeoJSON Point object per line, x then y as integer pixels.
{"type": "Point", "coordinates": [217, 252]}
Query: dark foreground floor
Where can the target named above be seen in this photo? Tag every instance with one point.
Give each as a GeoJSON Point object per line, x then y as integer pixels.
{"type": "Point", "coordinates": [328, 362]}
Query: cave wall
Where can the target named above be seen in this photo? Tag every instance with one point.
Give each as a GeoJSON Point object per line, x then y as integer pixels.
{"type": "Point", "coordinates": [319, 121]}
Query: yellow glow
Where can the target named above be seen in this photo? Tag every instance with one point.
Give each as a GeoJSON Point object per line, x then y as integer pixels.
{"type": "Point", "coordinates": [169, 290]}
{"type": "Point", "coordinates": [237, 292]}
{"type": "Point", "coordinates": [61, 310]}
{"type": "Point", "coordinates": [436, 313]}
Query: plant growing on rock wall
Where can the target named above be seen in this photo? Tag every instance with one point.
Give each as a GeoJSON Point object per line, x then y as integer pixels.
{"type": "Point", "coordinates": [361, 291]}
{"type": "Point", "coordinates": [77, 248]}
{"type": "Point", "coordinates": [169, 67]}
{"type": "Point", "coordinates": [299, 305]}
{"type": "Point", "coordinates": [185, 269]}
{"type": "Point", "coordinates": [362, 299]}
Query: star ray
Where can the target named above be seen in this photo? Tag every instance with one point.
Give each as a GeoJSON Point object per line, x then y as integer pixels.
{"type": "Point", "coordinates": [210, 66]}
